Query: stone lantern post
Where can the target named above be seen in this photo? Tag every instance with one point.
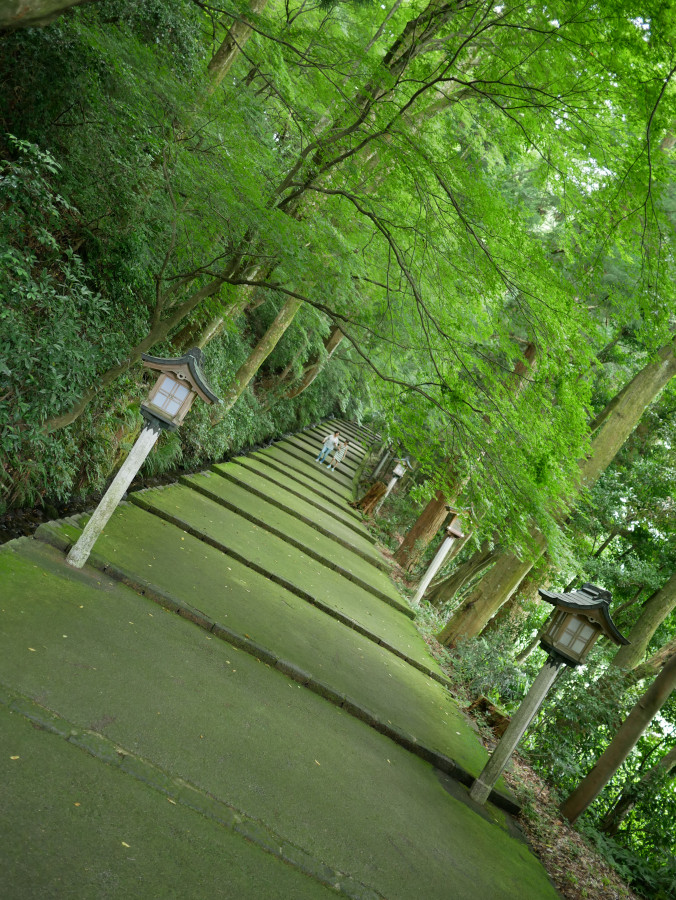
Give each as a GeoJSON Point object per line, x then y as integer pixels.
{"type": "Point", "coordinates": [179, 382]}
{"type": "Point", "coordinates": [453, 533]}
{"type": "Point", "coordinates": [578, 619]}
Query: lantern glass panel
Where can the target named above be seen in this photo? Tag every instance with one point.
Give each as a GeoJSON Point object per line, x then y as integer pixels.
{"type": "Point", "coordinates": [576, 635]}
{"type": "Point", "coordinates": [170, 396]}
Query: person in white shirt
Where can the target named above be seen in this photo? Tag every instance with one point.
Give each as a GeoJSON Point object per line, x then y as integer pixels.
{"type": "Point", "coordinates": [330, 443]}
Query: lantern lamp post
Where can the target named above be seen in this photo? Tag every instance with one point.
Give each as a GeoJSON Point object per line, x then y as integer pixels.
{"type": "Point", "coordinates": [179, 382]}
{"type": "Point", "coordinates": [453, 533]}
{"type": "Point", "coordinates": [397, 472]}
{"type": "Point", "coordinates": [578, 619]}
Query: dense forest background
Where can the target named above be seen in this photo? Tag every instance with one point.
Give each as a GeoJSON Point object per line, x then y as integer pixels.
{"type": "Point", "coordinates": [451, 220]}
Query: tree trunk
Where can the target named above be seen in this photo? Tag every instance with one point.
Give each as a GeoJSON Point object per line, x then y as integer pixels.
{"type": "Point", "coordinates": [615, 423]}
{"type": "Point", "coordinates": [226, 55]}
{"type": "Point", "coordinates": [319, 361]}
{"type": "Point", "coordinates": [494, 589]}
{"type": "Point", "coordinates": [259, 354]}
{"type": "Point", "coordinates": [656, 662]}
{"type": "Point", "coordinates": [654, 612]}
{"type": "Point", "coordinates": [446, 589]}
{"type": "Point", "coordinates": [371, 498]}
{"type": "Point", "coordinates": [622, 744]}
{"type": "Point", "coordinates": [631, 794]}
{"type": "Point", "coordinates": [423, 531]}
{"type": "Point", "coordinates": [514, 611]}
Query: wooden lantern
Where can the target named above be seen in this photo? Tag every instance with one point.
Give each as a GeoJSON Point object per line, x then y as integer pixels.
{"type": "Point", "coordinates": [579, 618]}
{"type": "Point", "coordinates": [179, 382]}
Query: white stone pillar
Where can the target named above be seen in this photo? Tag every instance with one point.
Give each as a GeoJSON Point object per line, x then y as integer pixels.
{"type": "Point", "coordinates": [79, 552]}
{"type": "Point", "coordinates": [434, 567]}
{"type": "Point", "coordinates": [520, 721]}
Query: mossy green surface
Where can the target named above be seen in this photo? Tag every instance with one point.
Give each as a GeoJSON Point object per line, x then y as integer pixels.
{"type": "Point", "coordinates": [276, 555]}
{"type": "Point", "coordinates": [198, 709]}
{"type": "Point", "coordinates": [316, 473]}
{"type": "Point", "coordinates": [75, 827]}
{"type": "Point", "coordinates": [297, 481]}
{"type": "Point", "coordinates": [327, 517]}
{"type": "Point", "coordinates": [269, 516]}
{"type": "Point", "coordinates": [248, 603]}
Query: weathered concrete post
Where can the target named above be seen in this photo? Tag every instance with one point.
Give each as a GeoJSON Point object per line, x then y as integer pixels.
{"type": "Point", "coordinates": [453, 533]}
{"type": "Point", "coordinates": [520, 721]}
{"type": "Point", "coordinates": [79, 552]}
{"type": "Point", "coordinates": [179, 382]}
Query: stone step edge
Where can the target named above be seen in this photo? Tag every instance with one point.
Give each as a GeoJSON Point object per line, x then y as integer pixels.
{"type": "Point", "coordinates": [352, 525]}
{"type": "Point", "coordinates": [140, 501]}
{"type": "Point", "coordinates": [277, 466]}
{"type": "Point", "coordinates": [251, 517]}
{"type": "Point", "coordinates": [305, 679]}
{"type": "Point", "coordinates": [181, 792]}
{"type": "Point", "coordinates": [49, 533]}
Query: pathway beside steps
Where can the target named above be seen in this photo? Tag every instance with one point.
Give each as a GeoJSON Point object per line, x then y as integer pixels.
{"type": "Point", "coordinates": [286, 735]}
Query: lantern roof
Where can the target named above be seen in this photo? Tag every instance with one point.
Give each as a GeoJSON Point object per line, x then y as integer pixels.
{"type": "Point", "coordinates": [190, 366]}
{"type": "Point", "coordinates": [591, 601]}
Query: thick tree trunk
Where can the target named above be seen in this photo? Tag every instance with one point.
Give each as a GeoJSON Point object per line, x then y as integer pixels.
{"type": "Point", "coordinates": [445, 590]}
{"type": "Point", "coordinates": [314, 367]}
{"type": "Point", "coordinates": [371, 498]}
{"type": "Point", "coordinates": [423, 531]}
{"type": "Point", "coordinates": [224, 58]}
{"type": "Point", "coordinates": [654, 612]}
{"type": "Point", "coordinates": [657, 661]}
{"type": "Point", "coordinates": [615, 423]}
{"type": "Point", "coordinates": [514, 610]}
{"type": "Point", "coordinates": [622, 744]}
{"type": "Point", "coordinates": [495, 588]}
{"type": "Point", "coordinates": [259, 354]}
{"type": "Point", "coordinates": [631, 795]}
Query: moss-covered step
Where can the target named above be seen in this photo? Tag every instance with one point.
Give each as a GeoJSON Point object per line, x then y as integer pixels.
{"type": "Point", "coordinates": [366, 567]}
{"type": "Point", "coordinates": [289, 629]}
{"type": "Point", "coordinates": [320, 519]}
{"type": "Point", "coordinates": [275, 475]}
{"type": "Point", "coordinates": [84, 828]}
{"type": "Point", "coordinates": [316, 487]}
{"type": "Point", "coordinates": [318, 475]}
{"type": "Point", "coordinates": [231, 529]}
{"type": "Point", "coordinates": [261, 548]}
{"type": "Point", "coordinates": [240, 731]}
